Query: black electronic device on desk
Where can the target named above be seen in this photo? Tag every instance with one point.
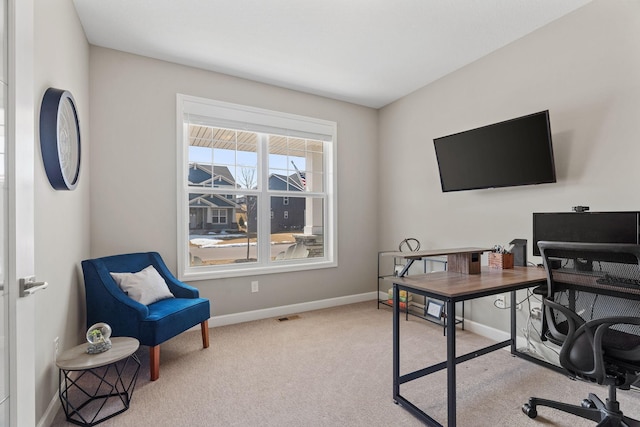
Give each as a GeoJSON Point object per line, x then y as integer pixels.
{"type": "Point", "coordinates": [588, 227]}
{"type": "Point", "coordinates": [519, 251]}
{"type": "Point", "coordinates": [594, 315]}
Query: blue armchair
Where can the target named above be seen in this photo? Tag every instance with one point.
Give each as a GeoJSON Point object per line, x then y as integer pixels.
{"type": "Point", "coordinates": [151, 324]}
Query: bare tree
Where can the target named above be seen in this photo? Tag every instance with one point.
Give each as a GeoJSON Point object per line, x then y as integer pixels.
{"type": "Point", "coordinates": [247, 179]}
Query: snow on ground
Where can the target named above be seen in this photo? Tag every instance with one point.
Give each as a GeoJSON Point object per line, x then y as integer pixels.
{"type": "Point", "coordinates": [204, 242]}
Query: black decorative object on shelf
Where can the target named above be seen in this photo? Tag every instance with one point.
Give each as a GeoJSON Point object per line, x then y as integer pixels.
{"type": "Point", "coordinates": [519, 252]}
{"type": "Point", "coordinates": [60, 139]}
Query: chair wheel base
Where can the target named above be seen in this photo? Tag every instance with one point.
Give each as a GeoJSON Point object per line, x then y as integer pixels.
{"type": "Point", "coordinates": [588, 403]}
{"type": "Point", "coordinates": [530, 411]}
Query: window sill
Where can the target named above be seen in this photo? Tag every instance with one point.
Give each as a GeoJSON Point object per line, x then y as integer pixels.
{"type": "Point", "coordinates": [203, 273]}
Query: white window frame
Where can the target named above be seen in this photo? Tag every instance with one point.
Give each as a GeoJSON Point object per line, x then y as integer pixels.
{"type": "Point", "coordinates": [230, 115]}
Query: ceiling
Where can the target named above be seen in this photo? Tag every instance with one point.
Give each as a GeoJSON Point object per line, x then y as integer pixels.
{"type": "Point", "coordinates": [368, 52]}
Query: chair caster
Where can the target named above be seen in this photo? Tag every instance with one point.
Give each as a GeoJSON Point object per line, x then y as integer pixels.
{"type": "Point", "coordinates": [588, 403]}
{"type": "Point", "coordinates": [530, 411]}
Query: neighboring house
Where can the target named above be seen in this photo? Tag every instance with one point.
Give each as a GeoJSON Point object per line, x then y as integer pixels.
{"type": "Point", "coordinates": [216, 212]}
{"type": "Point", "coordinates": [287, 213]}
{"type": "Point", "coordinates": [211, 212]}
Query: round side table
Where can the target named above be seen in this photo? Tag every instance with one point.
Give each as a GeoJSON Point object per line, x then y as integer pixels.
{"type": "Point", "coordinates": [96, 387]}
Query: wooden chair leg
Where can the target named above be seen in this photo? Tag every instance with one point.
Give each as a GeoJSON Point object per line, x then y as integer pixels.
{"type": "Point", "coordinates": [154, 362]}
{"type": "Point", "coordinates": [204, 326]}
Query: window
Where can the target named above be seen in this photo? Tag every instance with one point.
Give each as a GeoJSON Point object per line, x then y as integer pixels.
{"type": "Point", "coordinates": [218, 216]}
{"type": "Point", "coordinates": [256, 190]}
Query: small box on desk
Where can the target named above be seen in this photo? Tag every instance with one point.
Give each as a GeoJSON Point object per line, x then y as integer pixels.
{"type": "Point", "coordinates": [465, 263]}
{"type": "Point", "coordinates": [502, 261]}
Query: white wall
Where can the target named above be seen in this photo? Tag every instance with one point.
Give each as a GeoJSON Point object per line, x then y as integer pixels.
{"type": "Point", "coordinates": [584, 68]}
{"type": "Point", "coordinates": [61, 217]}
{"type": "Point", "coordinates": [133, 170]}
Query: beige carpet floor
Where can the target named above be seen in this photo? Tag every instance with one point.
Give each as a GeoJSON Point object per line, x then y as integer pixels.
{"type": "Point", "coordinates": [333, 367]}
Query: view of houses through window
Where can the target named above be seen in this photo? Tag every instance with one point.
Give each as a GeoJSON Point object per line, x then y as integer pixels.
{"type": "Point", "coordinates": [254, 198]}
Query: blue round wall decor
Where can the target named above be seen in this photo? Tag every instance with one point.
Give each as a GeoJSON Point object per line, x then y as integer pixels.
{"type": "Point", "coordinates": [60, 139]}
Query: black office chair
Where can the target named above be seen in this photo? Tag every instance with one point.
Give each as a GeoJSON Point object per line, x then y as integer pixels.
{"type": "Point", "coordinates": [592, 310]}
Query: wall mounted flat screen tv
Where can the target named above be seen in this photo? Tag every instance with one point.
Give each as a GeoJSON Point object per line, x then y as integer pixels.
{"type": "Point", "coordinates": [590, 227]}
{"type": "Point", "coordinates": [510, 153]}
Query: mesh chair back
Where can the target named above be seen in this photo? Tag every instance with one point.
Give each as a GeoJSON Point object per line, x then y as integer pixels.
{"type": "Point", "coordinates": [595, 281]}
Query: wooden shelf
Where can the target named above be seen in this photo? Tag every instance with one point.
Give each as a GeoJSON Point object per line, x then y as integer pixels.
{"type": "Point", "coordinates": [460, 260]}
{"type": "Point", "coordinates": [403, 260]}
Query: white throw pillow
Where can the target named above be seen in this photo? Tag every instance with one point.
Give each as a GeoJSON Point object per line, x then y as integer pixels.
{"type": "Point", "coordinates": [146, 286]}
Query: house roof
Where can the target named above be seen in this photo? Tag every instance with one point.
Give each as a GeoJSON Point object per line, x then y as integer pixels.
{"type": "Point", "coordinates": [211, 201]}
{"type": "Point", "coordinates": [283, 182]}
{"type": "Point", "coordinates": [201, 174]}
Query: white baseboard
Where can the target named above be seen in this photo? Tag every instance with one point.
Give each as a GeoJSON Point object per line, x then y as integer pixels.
{"type": "Point", "coordinates": [266, 313]}
{"type": "Point", "coordinates": [486, 331]}
{"type": "Point", "coordinates": [52, 410]}
{"type": "Point", "coordinates": [481, 329]}
{"type": "Point", "coordinates": [542, 350]}
{"type": "Point", "coordinates": [247, 316]}
{"type": "Point", "coordinates": [50, 413]}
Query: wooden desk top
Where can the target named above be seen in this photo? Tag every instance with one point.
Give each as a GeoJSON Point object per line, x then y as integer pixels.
{"type": "Point", "coordinates": [434, 252]}
{"type": "Point", "coordinates": [459, 285]}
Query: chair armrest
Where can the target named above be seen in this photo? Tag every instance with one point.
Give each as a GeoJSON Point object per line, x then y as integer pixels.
{"type": "Point", "coordinates": [122, 299]}
{"type": "Point", "coordinates": [575, 352]}
{"type": "Point", "coordinates": [573, 320]}
{"type": "Point", "coordinates": [104, 297]}
{"type": "Point", "coordinates": [564, 310]}
{"type": "Point", "coordinates": [178, 289]}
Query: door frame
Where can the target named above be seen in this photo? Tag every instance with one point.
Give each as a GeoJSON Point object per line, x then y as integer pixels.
{"type": "Point", "coordinates": [20, 213]}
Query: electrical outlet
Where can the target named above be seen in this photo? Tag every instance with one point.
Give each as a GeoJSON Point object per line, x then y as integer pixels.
{"type": "Point", "coordinates": [56, 347]}
{"type": "Point", "coordinates": [254, 286]}
{"type": "Point", "coordinates": [536, 313]}
{"type": "Point", "coordinates": [500, 301]}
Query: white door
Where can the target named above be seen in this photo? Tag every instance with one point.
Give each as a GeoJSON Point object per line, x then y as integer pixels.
{"type": "Point", "coordinates": [4, 290]}
{"type": "Point", "coordinates": [4, 294]}
{"type": "Point", "coordinates": [17, 326]}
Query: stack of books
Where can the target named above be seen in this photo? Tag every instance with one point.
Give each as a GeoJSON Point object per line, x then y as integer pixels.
{"type": "Point", "coordinates": [405, 298]}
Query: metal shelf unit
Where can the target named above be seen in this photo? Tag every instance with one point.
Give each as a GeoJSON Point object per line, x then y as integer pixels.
{"type": "Point", "coordinates": [401, 265]}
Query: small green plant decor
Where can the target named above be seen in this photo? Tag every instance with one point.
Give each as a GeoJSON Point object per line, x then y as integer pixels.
{"type": "Point", "coordinates": [98, 337]}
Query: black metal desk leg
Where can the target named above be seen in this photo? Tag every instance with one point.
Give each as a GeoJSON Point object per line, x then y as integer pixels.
{"type": "Point", "coordinates": [396, 342]}
{"type": "Point", "coordinates": [451, 364]}
{"type": "Point", "coordinates": [513, 322]}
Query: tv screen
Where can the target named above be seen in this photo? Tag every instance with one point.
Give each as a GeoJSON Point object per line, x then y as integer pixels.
{"type": "Point", "coordinates": [514, 152]}
{"type": "Point", "coordinates": [590, 227]}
